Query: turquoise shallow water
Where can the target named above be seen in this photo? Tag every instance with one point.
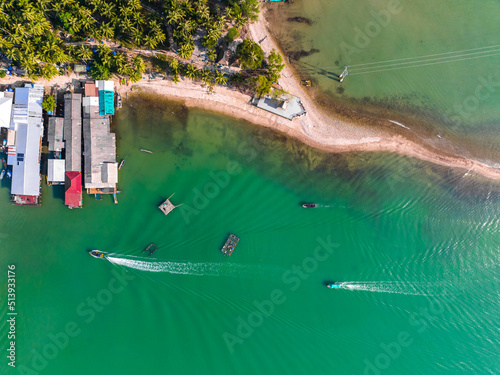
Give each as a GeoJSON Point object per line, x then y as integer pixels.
{"type": "Point", "coordinates": [416, 245]}
{"type": "Point", "coordinates": [432, 66]}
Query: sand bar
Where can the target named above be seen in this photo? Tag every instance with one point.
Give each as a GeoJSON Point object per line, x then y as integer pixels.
{"type": "Point", "coordinates": [317, 129]}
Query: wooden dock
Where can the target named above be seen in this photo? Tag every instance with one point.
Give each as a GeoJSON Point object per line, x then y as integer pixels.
{"type": "Point", "coordinates": [230, 244]}
{"type": "Point", "coordinates": [166, 207]}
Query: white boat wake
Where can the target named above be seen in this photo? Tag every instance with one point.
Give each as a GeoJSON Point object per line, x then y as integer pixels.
{"type": "Point", "coordinates": [195, 269]}
{"type": "Point", "coordinates": [398, 287]}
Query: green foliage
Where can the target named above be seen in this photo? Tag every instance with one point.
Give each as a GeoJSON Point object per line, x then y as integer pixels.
{"type": "Point", "coordinates": [263, 86]}
{"type": "Point", "coordinates": [232, 33]}
{"type": "Point", "coordinates": [3, 73]}
{"type": "Point", "coordinates": [220, 79]}
{"type": "Point", "coordinates": [243, 11]}
{"type": "Point", "coordinates": [49, 103]}
{"type": "Point", "coordinates": [31, 31]}
{"type": "Point", "coordinates": [250, 54]}
{"type": "Point", "coordinates": [99, 71]}
{"type": "Point", "coordinates": [275, 62]}
{"type": "Point", "coordinates": [192, 72]}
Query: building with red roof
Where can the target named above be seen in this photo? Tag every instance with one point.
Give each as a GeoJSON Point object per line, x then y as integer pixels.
{"type": "Point", "coordinates": [73, 193]}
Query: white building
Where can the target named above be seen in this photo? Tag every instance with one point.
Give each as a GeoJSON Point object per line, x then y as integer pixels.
{"type": "Point", "coordinates": [24, 157]}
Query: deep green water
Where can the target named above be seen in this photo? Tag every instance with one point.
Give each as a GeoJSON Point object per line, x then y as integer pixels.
{"type": "Point", "coordinates": [449, 89]}
{"type": "Point", "coordinates": [417, 246]}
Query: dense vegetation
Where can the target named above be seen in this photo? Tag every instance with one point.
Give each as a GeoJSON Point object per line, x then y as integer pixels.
{"type": "Point", "coordinates": [41, 36]}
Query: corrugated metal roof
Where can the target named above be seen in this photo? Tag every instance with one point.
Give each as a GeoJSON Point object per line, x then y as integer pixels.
{"type": "Point", "coordinates": [26, 168]}
{"type": "Point", "coordinates": [100, 150]}
{"type": "Point", "coordinates": [105, 85]}
{"type": "Point", "coordinates": [55, 171]}
{"type": "Point", "coordinates": [55, 134]}
{"type": "Point", "coordinates": [73, 131]}
{"type": "Point", "coordinates": [5, 111]}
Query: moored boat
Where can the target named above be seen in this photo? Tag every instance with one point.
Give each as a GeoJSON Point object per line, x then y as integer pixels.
{"type": "Point", "coordinates": [309, 205]}
{"type": "Point", "coordinates": [96, 253]}
{"type": "Point", "coordinates": [121, 164]}
{"type": "Point", "coordinates": [335, 285]}
{"type": "Point", "coordinates": [9, 174]}
{"type": "Point", "coordinates": [2, 174]}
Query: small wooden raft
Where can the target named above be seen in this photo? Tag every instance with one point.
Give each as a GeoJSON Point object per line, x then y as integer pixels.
{"type": "Point", "coordinates": [230, 244]}
{"type": "Point", "coordinates": [166, 207]}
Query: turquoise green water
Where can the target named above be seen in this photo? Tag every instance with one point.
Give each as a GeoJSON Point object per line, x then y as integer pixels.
{"type": "Point", "coordinates": [424, 64]}
{"type": "Point", "coordinates": [416, 245]}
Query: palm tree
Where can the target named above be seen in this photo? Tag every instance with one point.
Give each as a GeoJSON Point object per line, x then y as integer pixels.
{"type": "Point", "coordinates": [139, 63]}
{"type": "Point", "coordinates": [48, 71]}
{"type": "Point", "coordinates": [107, 10]}
{"type": "Point", "coordinates": [175, 16]}
{"type": "Point", "coordinates": [192, 72]}
{"type": "Point", "coordinates": [72, 51]}
{"type": "Point", "coordinates": [86, 22]}
{"type": "Point", "coordinates": [150, 42]}
{"type": "Point", "coordinates": [212, 55]}
{"type": "Point", "coordinates": [174, 65]}
{"type": "Point", "coordinates": [136, 36]}
{"type": "Point", "coordinates": [203, 11]}
{"type": "Point", "coordinates": [73, 23]}
{"type": "Point", "coordinates": [176, 78]}
{"type": "Point", "coordinates": [185, 50]}
{"type": "Point", "coordinates": [84, 53]}
{"type": "Point", "coordinates": [135, 5]}
{"type": "Point", "coordinates": [220, 78]}
{"type": "Point", "coordinates": [5, 44]}
{"type": "Point", "coordinates": [120, 62]}
{"type": "Point", "coordinates": [107, 31]}
{"type": "Point", "coordinates": [206, 76]}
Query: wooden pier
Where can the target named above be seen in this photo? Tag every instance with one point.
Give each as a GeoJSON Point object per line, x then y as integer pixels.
{"type": "Point", "coordinates": [166, 207]}
{"type": "Point", "coordinates": [230, 244]}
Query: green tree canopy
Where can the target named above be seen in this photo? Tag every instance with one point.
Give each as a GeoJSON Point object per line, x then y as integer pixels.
{"type": "Point", "coordinates": [262, 85]}
{"type": "Point", "coordinates": [250, 54]}
{"type": "Point", "coordinates": [275, 62]}
{"type": "Point", "coordinates": [49, 103]}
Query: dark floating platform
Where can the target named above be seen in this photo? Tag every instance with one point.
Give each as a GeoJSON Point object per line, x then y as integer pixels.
{"type": "Point", "coordinates": [230, 244]}
{"type": "Point", "coordinates": [151, 248]}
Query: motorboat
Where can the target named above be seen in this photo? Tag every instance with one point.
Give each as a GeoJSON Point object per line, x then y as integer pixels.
{"type": "Point", "coordinates": [96, 253]}
{"type": "Point", "coordinates": [335, 285]}
{"type": "Point", "coordinates": [2, 174]}
{"type": "Point", "coordinates": [309, 205]}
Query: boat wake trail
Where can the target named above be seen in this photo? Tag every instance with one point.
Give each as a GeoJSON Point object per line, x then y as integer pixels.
{"type": "Point", "coordinates": [398, 287]}
{"type": "Point", "coordinates": [195, 269]}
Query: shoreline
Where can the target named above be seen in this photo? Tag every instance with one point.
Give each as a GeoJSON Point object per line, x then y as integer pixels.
{"type": "Point", "coordinates": [323, 131]}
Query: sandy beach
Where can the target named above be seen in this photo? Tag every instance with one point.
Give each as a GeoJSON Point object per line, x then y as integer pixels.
{"type": "Point", "coordinates": [317, 129]}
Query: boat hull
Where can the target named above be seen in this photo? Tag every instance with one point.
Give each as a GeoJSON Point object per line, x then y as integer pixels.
{"type": "Point", "coordinates": [334, 285]}
{"type": "Point", "coordinates": [96, 253]}
{"type": "Point", "coordinates": [309, 205]}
